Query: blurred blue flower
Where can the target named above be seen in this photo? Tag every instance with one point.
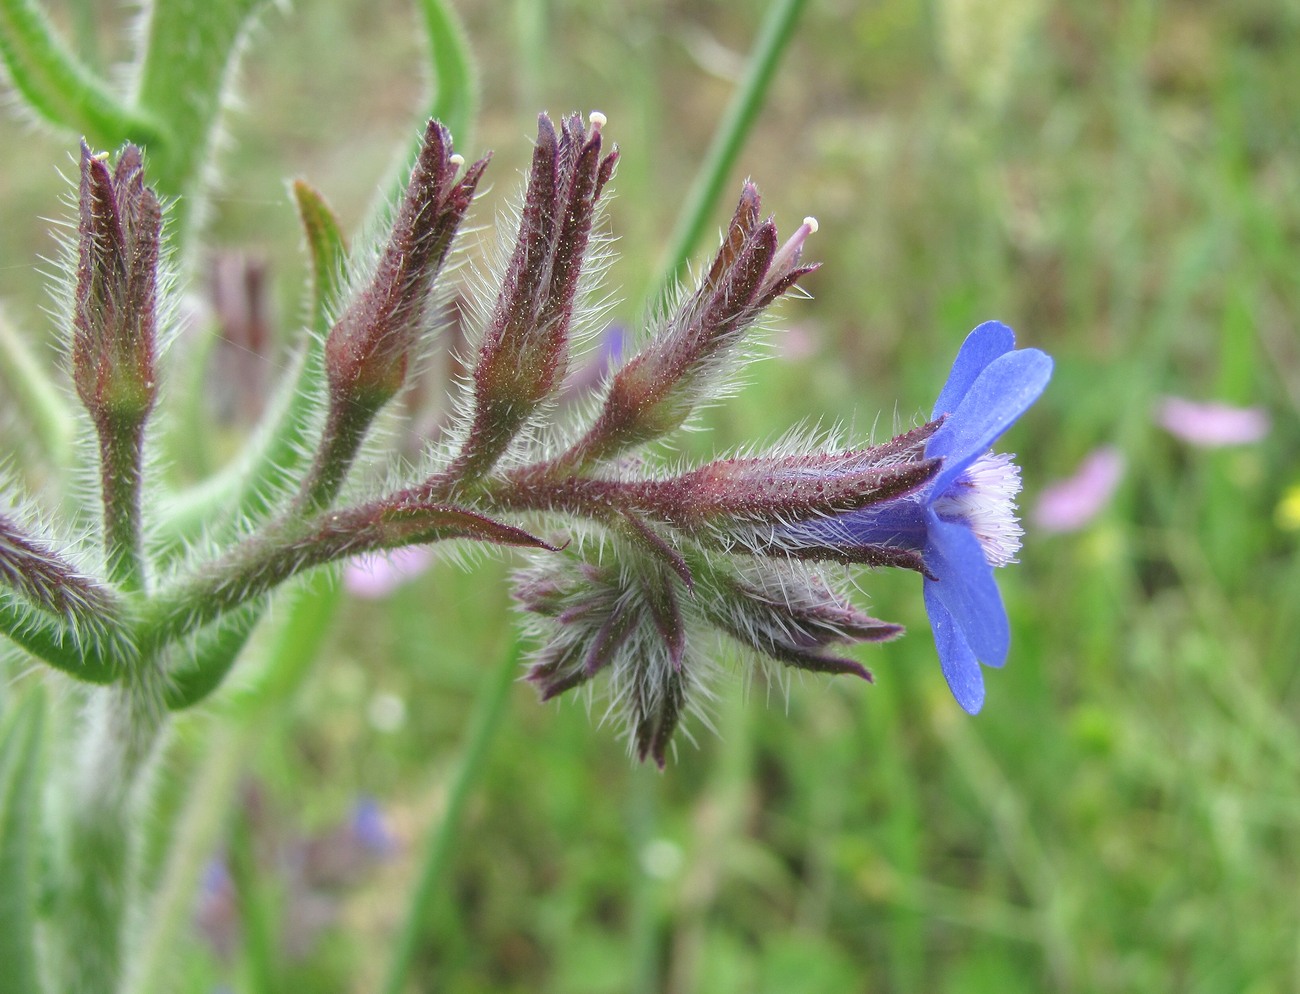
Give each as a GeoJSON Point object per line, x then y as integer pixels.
{"type": "Point", "coordinates": [963, 522]}
{"type": "Point", "coordinates": [370, 828]}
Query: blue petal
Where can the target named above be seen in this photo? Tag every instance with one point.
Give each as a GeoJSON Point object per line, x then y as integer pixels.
{"type": "Point", "coordinates": [960, 667]}
{"type": "Point", "coordinates": [982, 346]}
{"type": "Point", "coordinates": [964, 584]}
{"type": "Point", "coordinates": [999, 395]}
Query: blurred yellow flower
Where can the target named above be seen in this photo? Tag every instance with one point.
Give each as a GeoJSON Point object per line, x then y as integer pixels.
{"type": "Point", "coordinates": [1287, 514]}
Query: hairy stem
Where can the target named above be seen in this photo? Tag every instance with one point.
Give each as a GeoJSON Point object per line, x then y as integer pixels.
{"type": "Point", "coordinates": [123, 724]}
{"type": "Point", "coordinates": [120, 457]}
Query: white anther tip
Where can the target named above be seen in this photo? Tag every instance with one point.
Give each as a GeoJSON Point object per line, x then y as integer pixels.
{"type": "Point", "coordinates": [457, 161]}
{"type": "Point", "coordinates": [811, 224]}
{"type": "Point", "coordinates": [597, 120]}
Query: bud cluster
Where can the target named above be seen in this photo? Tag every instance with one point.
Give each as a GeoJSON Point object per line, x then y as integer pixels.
{"type": "Point", "coordinates": [640, 572]}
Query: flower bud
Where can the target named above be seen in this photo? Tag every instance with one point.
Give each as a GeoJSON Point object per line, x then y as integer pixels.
{"type": "Point", "coordinates": [785, 612]}
{"type": "Point", "coordinates": [657, 390]}
{"type": "Point", "coordinates": [115, 301]}
{"type": "Point", "coordinates": [525, 347]}
{"type": "Point", "coordinates": [623, 618]}
{"type": "Point", "coordinates": [737, 501]}
{"type": "Point", "coordinates": [370, 346]}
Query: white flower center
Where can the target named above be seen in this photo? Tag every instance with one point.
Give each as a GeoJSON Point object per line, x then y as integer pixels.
{"type": "Point", "coordinates": [984, 499]}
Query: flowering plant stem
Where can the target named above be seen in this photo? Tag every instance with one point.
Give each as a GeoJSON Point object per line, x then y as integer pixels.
{"type": "Point", "coordinates": [119, 740]}
{"type": "Point", "coordinates": [774, 34]}
{"type": "Point", "coordinates": [302, 626]}
{"type": "Point", "coordinates": [36, 395]}
{"type": "Point", "coordinates": [119, 460]}
{"type": "Point", "coordinates": [489, 711]}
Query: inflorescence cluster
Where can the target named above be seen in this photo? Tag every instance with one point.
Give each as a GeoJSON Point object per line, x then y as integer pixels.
{"type": "Point", "coordinates": [634, 570]}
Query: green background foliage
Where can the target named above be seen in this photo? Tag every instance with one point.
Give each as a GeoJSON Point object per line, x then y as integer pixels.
{"type": "Point", "coordinates": [1118, 181]}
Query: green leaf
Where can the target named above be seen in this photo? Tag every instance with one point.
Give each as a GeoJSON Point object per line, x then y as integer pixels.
{"type": "Point", "coordinates": [303, 620]}
{"type": "Point", "coordinates": [90, 660]}
{"type": "Point", "coordinates": [455, 92]}
{"type": "Point", "coordinates": [328, 250]}
{"type": "Point", "coordinates": [214, 654]}
{"type": "Point", "coordinates": [60, 88]}
{"type": "Point", "coordinates": [20, 785]}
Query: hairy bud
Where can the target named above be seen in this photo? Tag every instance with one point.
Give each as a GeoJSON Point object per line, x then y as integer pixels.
{"type": "Point", "coordinates": [732, 499]}
{"type": "Point", "coordinates": [656, 391]}
{"type": "Point", "coordinates": [369, 348]}
{"type": "Point", "coordinates": [784, 612]}
{"type": "Point", "coordinates": [524, 354]}
{"type": "Point", "coordinates": [114, 334]}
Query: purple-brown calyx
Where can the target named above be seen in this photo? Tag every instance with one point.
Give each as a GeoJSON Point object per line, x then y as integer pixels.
{"type": "Point", "coordinates": [114, 337]}
{"type": "Point", "coordinates": [369, 348]}
{"type": "Point", "coordinates": [525, 347]}
{"type": "Point", "coordinates": [656, 391]}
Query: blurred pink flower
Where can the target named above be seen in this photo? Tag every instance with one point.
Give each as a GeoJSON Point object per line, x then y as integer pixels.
{"type": "Point", "coordinates": [1210, 425]}
{"type": "Point", "coordinates": [1067, 505]}
{"type": "Point", "coordinates": [377, 575]}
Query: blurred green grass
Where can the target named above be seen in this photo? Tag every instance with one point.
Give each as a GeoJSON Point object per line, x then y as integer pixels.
{"type": "Point", "coordinates": [1121, 183]}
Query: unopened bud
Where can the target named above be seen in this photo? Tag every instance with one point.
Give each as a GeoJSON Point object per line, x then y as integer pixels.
{"type": "Point", "coordinates": [784, 612]}
{"type": "Point", "coordinates": [525, 348]}
{"type": "Point", "coordinates": [368, 350]}
{"type": "Point", "coordinates": [733, 499]}
{"type": "Point", "coordinates": [658, 389]}
{"type": "Point", "coordinates": [115, 303]}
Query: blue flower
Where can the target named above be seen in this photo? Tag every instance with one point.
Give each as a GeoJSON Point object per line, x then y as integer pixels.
{"type": "Point", "coordinates": [962, 523]}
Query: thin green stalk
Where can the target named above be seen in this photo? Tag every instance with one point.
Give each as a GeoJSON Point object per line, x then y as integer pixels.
{"type": "Point", "coordinates": [455, 91]}
{"type": "Point", "coordinates": [61, 88]}
{"type": "Point", "coordinates": [489, 710]}
{"type": "Point", "coordinates": [43, 406]}
{"type": "Point", "coordinates": [120, 456]}
{"type": "Point", "coordinates": [196, 832]}
{"type": "Point", "coordinates": [774, 34]}
{"type": "Point", "coordinates": [99, 872]}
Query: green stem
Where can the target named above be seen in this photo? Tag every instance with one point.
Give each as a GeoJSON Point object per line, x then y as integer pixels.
{"type": "Point", "coordinates": [346, 426]}
{"type": "Point", "coordinates": [123, 725]}
{"type": "Point", "coordinates": [42, 405]}
{"type": "Point", "coordinates": [489, 710]}
{"type": "Point", "coordinates": [190, 47]}
{"type": "Point", "coordinates": [120, 458]}
{"type": "Point", "coordinates": [455, 92]}
{"type": "Point", "coordinates": [775, 32]}
{"type": "Point", "coordinates": [59, 87]}
{"type": "Point", "coordinates": [303, 624]}
{"type": "Point", "coordinates": [194, 838]}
